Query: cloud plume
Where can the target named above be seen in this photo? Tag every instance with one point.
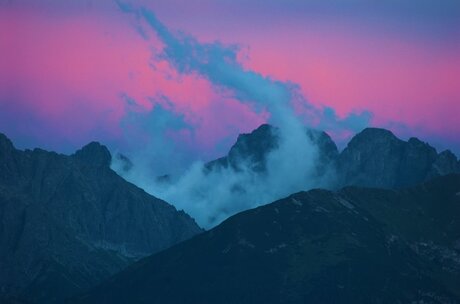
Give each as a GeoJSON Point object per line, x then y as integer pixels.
{"type": "Point", "coordinates": [212, 196]}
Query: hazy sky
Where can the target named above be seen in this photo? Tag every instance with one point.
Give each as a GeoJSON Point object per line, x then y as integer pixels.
{"type": "Point", "coordinates": [198, 73]}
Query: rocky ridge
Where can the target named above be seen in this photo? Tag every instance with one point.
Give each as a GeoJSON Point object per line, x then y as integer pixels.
{"type": "Point", "coordinates": [69, 222]}
{"type": "Point", "coordinates": [356, 245]}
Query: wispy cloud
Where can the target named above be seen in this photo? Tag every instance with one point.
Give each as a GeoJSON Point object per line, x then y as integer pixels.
{"type": "Point", "coordinates": [211, 197]}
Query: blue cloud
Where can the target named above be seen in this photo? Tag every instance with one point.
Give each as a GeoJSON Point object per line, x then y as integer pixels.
{"type": "Point", "coordinates": [147, 140]}
{"type": "Point", "coordinates": [219, 64]}
{"type": "Point", "coordinates": [354, 121]}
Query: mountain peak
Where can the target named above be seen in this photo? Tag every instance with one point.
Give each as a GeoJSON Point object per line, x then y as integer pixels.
{"type": "Point", "coordinates": [263, 128]}
{"type": "Point", "coordinates": [5, 143]}
{"type": "Point", "coordinates": [95, 154]}
{"type": "Point", "coordinates": [375, 133]}
{"type": "Point", "coordinates": [377, 158]}
{"type": "Point", "coordinates": [70, 222]}
{"type": "Point", "coordinates": [263, 135]}
{"type": "Point", "coordinates": [446, 162]}
{"type": "Point", "coordinates": [325, 143]}
{"type": "Point", "coordinates": [254, 146]}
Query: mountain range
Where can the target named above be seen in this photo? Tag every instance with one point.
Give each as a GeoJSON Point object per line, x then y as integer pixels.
{"type": "Point", "coordinates": [356, 245]}
{"type": "Point", "coordinates": [70, 225]}
{"type": "Point", "coordinates": [69, 222]}
{"type": "Point", "coordinates": [373, 158]}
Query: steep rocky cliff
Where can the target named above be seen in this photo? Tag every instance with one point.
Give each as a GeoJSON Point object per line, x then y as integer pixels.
{"type": "Point", "coordinates": [69, 222]}
{"type": "Point", "coordinates": [377, 158]}
{"type": "Point", "coordinates": [374, 157]}
{"type": "Point", "coordinates": [252, 149]}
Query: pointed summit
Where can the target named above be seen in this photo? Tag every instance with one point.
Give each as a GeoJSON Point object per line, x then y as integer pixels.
{"type": "Point", "coordinates": [5, 143]}
{"type": "Point", "coordinates": [7, 164]}
{"type": "Point", "coordinates": [249, 148]}
{"type": "Point", "coordinates": [377, 158]}
{"type": "Point", "coordinates": [95, 154]}
{"type": "Point", "coordinates": [69, 222]}
{"type": "Point", "coordinates": [375, 136]}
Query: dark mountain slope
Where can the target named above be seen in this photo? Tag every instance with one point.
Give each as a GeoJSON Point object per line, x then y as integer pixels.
{"type": "Point", "coordinates": [69, 222]}
{"type": "Point", "coordinates": [427, 217]}
{"type": "Point", "coordinates": [352, 246]}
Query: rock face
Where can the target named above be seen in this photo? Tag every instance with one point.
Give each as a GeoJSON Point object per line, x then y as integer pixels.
{"type": "Point", "coordinates": [373, 158]}
{"type": "Point", "coordinates": [445, 163]}
{"type": "Point", "coordinates": [94, 153]}
{"type": "Point", "coordinates": [69, 222]}
{"type": "Point", "coordinates": [377, 158]}
{"type": "Point", "coordinates": [356, 245]}
{"type": "Point", "coordinates": [252, 149]}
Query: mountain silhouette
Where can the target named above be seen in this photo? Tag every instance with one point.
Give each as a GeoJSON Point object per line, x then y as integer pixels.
{"type": "Point", "coordinates": [69, 222]}
{"type": "Point", "coordinates": [356, 245]}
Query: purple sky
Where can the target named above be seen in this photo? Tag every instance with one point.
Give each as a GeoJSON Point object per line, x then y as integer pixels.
{"type": "Point", "coordinates": [197, 73]}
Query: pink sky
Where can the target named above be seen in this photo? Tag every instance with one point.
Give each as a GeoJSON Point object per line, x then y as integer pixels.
{"type": "Point", "coordinates": [66, 73]}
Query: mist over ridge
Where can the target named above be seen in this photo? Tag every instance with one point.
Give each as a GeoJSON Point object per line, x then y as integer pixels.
{"type": "Point", "coordinates": [223, 151]}
{"type": "Point", "coordinates": [211, 194]}
{"type": "Point", "coordinates": [262, 166]}
{"type": "Point", "coordinates": [166, 170]}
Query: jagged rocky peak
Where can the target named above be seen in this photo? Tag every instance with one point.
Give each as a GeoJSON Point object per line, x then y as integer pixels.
{"type": "Point", "coordinates": [445, 163]}
{"type": "Point", "coordinates": [327, 147]}
{"type": "Point", "coordinates": [253, 148]}
{"type": "Point", "coordinates": [418, 145]}
{"type": "Point", "coordinates": [249, 148]}
{"type": "Point", "coordinates": [257, 142]}
{"type": "Point", "coordinates": [375, 136]}
{"type": "Point", "coordinates": [254, 145]}
{"type": "Point", "coordinates": [374, 157]}
{"type": "Point", "coordinates": [6, 155]}
{"type": "Point", "coordinates": [377, 158]}
{"type": "Point", "coordinates": [95, 154]}
{"type": "Point", "coordinates": [5, 143]}
{"type": "Point", "coordinates": [69, 222]}
{"type": "Point", "coordinates": [8, 169]}
{"type": "Point", "coordinates": [265, 138]}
